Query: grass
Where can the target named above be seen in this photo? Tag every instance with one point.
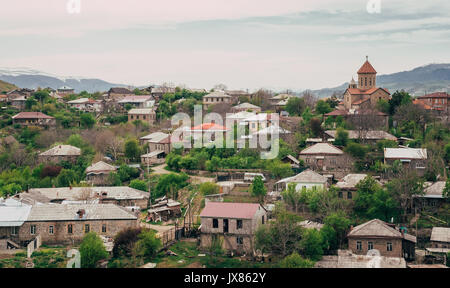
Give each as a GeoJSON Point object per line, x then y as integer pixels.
{"type": "Point", "coordinates": [42, 258]}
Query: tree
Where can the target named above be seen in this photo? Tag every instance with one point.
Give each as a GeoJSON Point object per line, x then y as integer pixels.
{"type": "Point", "coordinates": [295, 261]}
{"type": "Point", "coordinates": [209, 188]}
{"type": "Point", "coordinates": [339, 225]}
{"type": "Point", "coordinates": [292, 196]}
{"type": "Point", "coordinates": [92, 250]}
{"type": "Point", "coordinates": [316, 127]}
{"type": "Point", "coordinates": [397, 99]}
{"type": "Point", "coordinates": [258, 189]}
{"type": "Point", "coordinates": [66, 177]}
{"type": "Point", "coordinates": [139, 185]}
{"type": "Point", "coordinates": [446, 191]}
{"type": "Point", "coordinates": [87, 120]}
{"type": "Point", "coordinates": [125, 240]}
{"type": "Point", "coordinates": [323, 107]}
{"type": "Point", "coordinates": [356, 150]}
{"type": "Point", "coordinates": [295, 106]}
{"type": "Point", "coordinates": [132, 150]}
{"type": "Point", "coordinates": [312, 244]}
{"type": "Point", "coordinates": [280, 237]}
{"type": "Point", "coordinates": [169, 184]}
{"type": "Point", "coordinates": [341, 137]}
{"type": "Point", "coordinates": [148, 244]}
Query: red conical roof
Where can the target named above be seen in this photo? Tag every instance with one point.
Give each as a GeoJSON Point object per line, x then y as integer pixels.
{"type": "Point", "coordinates": [367, 68]}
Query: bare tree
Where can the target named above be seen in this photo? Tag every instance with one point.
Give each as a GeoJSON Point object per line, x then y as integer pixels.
{"type": "Point", "coordinates": [309, 98]}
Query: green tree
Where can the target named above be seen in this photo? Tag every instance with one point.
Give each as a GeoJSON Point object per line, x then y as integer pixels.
{"type": "Point", "coordinates": [339, 224]}
{"type": "Point", "coordinates": [87, 120]}
{"type": "Point", "coordinates": [323, 107]}
{"type": "Point", "coordinates": [66, 177]}
{"type": "Point", "coordinates": [295, 261]}
{"type": "Point", "coordinates": [139, 185]}
{"type": "Point", "coordinates": [397, 99]}
{"type": "Point", "coordinates": [295, 106]}
{"type": "Point", "coordinates": [292, 196]}
{"type": "Point", "coordinates": [312, 244]}
{"type": "Point", "coordinates": [356, 150]}
{"type": "Point", "coordinates": [258, 189]}
{"type": "Point", "coordinates": [132, 150]}
{"type": "Point", "coordinates": [209, 188]}
{"type": "Point", "coordinates": [341, 137]}
{"type": "Point", "coordinates": [148, 244]}
{"type": "Point", "coordinates": [92, 250]}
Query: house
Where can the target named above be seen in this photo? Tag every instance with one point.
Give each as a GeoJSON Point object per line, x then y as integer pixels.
{"type": "Point", "coordinates": [19, 102]}
{"type": "Point", "coordinates": [283, 98]}
{"type": "Point", "coordinates": [413, 158]}
{"type": "Point", "coordinates": [137, 101]}
{"type": "Point", "coordinates": [65, 90]}
{"type": "Point", "coordinates": [231, 224]}
{"type": "Point", "coordinates": [324, 157]}
{"type": "Point", "coordinates": [364, 94]}
{"type": "Point", "coordinates": [158, 92]}
{"type": "Point", "coordinates": [370, 136]}
{"type": "Point", "coordinates": [147, 115]}
{"type": "Point", "coordinates": [13, 214]}
{"type": "Point", "coordinates": [259, 121]}
{"type": "Point", "coordinates": [118, 93]}
{"type": "Point", "coordinates": [245, 107]}
{"type": "Point", "coordinates": [157, 141]}
{"type": "Point", "coordinates": [117, 195]}
{"type": "Point", "coordinates": [86, 104]}
{"type": "Point", "coordinates": [216, 97]}
{"type": "Point", "coordinates": [438, 101]}
{"type": "Point", "coordinates": [368, 119]}
{"type": "Point", "coordinates": [236, 94]}
{"type": "Point", "coordinates": [307, 179]}
{"type": "Point", "coordinates": [98, 173]}
{"type": "Point", "coordinates": [68, 223]}
{"type": "Point", "coordinates": [34, 119]}
{"type": "Point", "coordinates": [432, 198]}
{"type": "Point", "coordinates": [164, 209]}
{"type": "Point", "coordinates": [347, 185]}
{"type": "Point", "coordinates": [389, 240]}
{"type": "Point", "coordinates": [206, 134]}
{"type": "Point", "coordinates": [294, 162]}
{"type": "Point", "coordinates": [60, 153]}
{"type": "Point", "coordinates": [440, 238]}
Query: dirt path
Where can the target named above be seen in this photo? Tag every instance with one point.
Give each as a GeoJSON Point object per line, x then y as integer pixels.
{"type": "Point", "coordinates": [160, 169]}
{"type": "Point", "coordinates": [200, 179]}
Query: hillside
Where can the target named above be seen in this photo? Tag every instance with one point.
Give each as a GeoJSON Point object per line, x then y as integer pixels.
{"type": "Point", "coordinates": [5, 86]}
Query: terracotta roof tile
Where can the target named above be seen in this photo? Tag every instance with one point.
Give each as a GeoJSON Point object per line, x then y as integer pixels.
{"type": "Point", "coordinates": [367, 68]}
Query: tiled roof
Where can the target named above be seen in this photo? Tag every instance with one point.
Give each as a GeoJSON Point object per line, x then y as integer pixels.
{"type": "Point", "coordinates": [367, 68]}
{"type": "Point", "coordinates": [322, 148]}
{"type": "Point", "coordinates": [378, 228]}
{"type": "Point", "coordinates": [435, 95]}
{"type": "Point", "coordinates": [405, 153]}
{"type": "Point", "coordinates": [62, 150]}
{"type": "Point", "coordinates": [68, 212]}
{"type": "Point", "coordinates": [307, 176]}
{"type": "Point", "coordinates": [230, 210]}
{"type": "Point", "coordinates": [357, 91]}
{"type": "Point", "coordinates": [440, 234]}
{"type": "Point", "coordinates": [100, 167]}
{"type": "Point", "coordinates": [31, 115]}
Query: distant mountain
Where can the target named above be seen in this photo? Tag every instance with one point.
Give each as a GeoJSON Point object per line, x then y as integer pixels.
{"type": "Point", "coordinates": [28, 78]}
{"type": "Point", "coordinates": [418, 81]}
{"type": "Point", "coordinates": [5, 86]}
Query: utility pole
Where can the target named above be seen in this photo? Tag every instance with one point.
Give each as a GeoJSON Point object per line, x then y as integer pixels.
{"type": "Point", "coordinates": [149, 189]}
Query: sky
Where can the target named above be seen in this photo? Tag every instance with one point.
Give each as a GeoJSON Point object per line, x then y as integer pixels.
{"type": "Point", "coordinates": [244, 44]}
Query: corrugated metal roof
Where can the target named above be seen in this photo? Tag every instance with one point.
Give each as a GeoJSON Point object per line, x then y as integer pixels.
{"type": "Point", "coordinates": [405, 153]}
{"type": "Point", "coordinates": [13, 213]}
{"type": "Point", "coordinates": [307, 176]}
{"type": "Point", "coordinates": [440, 234]}
{"type": "Point", "coordinates": [62, 150]}
{"type": "Point", "coordinates": [75, 193]}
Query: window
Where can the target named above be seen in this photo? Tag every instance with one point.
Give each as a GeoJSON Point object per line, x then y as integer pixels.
{"type": "Point", "coordinates": [50, 229]}
{"type": "Point", "coordinates": [33, 229]}
{"type": "Point", "coordinates": [262, 220]}
{"type": "Point", "coordinates": [215, 223]}
{"type": "Point", "coordinates": [369, 245]}
{"type": "Point", "coordinates": [349, 195]}
{"type": "Point", "coordinates": [239, 240]}
{"type": "Point", "coordinates": [69, 229]}
{"type": "Point", "coordinates": [389, 246]}
{"type": "Point", "coordinates": [14, 230]}
{"type": "Point", "coordinates": [340, 194]}
{"type": "Point", "coordinates": [238, 224]}
{"type": "Point", "coordinates": [86, 228]}
{"type": "Point", "coordinates": [104, 228]}
{"type": "Point", "coordinates": [358, 245]}
{"type": "Point", "coordinates": [365, 81]}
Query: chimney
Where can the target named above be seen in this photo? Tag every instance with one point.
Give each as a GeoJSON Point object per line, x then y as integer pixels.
{"type": "Point", "coordinates": [81, 213]}
{"type": "Point", "coordinates": [70, 187]}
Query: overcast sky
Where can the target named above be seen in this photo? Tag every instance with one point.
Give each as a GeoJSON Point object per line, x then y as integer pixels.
{"type": "Point", "coordinates": [244, 44]}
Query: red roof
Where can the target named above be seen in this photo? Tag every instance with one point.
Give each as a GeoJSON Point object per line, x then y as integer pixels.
{"type": "Point", "coordinates": [230, 210]}
{"type": "Point", "coordinates": [357, 91]}
{"type": "Point", "coordinates": [31, 115]}
{"type": "Point", "coordinates": [357, 102]}
{"type": "Point", "coordinates": [209, 127]}
{"type": "Point", "coordinates": [435, 95]}
{"type": "Point", "coordinates": [367, 68]}
{"type": "Point", "coordinates": [337, 113]}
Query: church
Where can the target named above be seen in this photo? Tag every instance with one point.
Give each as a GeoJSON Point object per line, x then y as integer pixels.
{"type": "Point", "coordinates": [364, 94]}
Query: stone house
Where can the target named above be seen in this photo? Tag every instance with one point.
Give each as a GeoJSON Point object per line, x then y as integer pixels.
{"type": "Point", "coordinates": [86, 104]}
{"type": "Point", "coordinates": [347, 185]}
{"type": "Point", "coordinates": [307, 179]}
{"type": "Point", "coordinates": [324, 157]}
{"type": "Point", "coordinates": [370, 136]}
{"type": "Point", "coordinates": [389, 240]}
{"type": "Point", "coordinates": [68, 223]}
{"type": "Point", "coordinates": [65, 90]}
{"type": "Point", "coordinates": [60, 153]}
{"type": "Point", "coordinates": [34, 119]}
{"type": "Point", "coordinates": [118, 93]}
{"type": "Point", "coordinates": [157, 141]}
{"type": "Point", "coordinates": [217, 97]}
{"type": "Point", "coordinates": [158, 92]}
{"type": "Point", "coordinates": [98, 173]}
{"type": "Point", "coordinates": [147, 115]}
{"type": "Point", "coordinates": [438, 101]}
{"type": "Point", "coordinates": [232, 224]}
{"type": "Point", "coordinates": [412, 158]}
{"type": "Point", "coordinates": [432, 198]}
{"type": "Point", "coordinates": [137, 101]}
